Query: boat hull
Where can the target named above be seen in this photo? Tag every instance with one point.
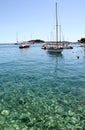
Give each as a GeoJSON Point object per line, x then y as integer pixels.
{"type": "Point", "coordinates": [23, 46]}
{"type": "Point", "coordinates": [54, 48]}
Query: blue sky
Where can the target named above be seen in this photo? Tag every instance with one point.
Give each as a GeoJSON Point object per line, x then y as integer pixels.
{"type": "Point", "coordinates": [35, 19]}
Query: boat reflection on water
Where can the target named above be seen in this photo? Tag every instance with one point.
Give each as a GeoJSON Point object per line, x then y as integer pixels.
{"type": "Point", "coordinates": [54, 54]}
{"type": "Point", "coordinates": [56, 60]}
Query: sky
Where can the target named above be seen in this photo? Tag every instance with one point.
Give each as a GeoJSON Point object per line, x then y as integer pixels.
{"type": "Point", "coordinates": [36, 19]}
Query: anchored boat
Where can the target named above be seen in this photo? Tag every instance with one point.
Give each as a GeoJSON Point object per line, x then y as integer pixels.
{"type": "Point", "coordinates": [57, 46]}
{"type": "Point", "coordinates": [24, 45]}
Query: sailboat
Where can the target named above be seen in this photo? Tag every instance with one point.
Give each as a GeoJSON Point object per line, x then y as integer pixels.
{"type": "Point", "coordinates": [24, 44]}
{"type": "Point", "coordinates": [57, 46]}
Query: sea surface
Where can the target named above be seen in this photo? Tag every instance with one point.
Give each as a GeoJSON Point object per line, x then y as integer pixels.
{"type": "Point", "coordinates": [41, 90]}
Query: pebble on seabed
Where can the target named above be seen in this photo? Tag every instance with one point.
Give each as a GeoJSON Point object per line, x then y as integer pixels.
{"type": "Point", "coordinates": [5, 112]}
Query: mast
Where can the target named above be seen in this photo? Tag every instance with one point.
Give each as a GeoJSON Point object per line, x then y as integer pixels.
{"type": "Point", "coordinates": [56, 24]}
{"type": "Point", "coordinates": [60, 32]}
{"type": "Point", "coordinates": [16, 37]}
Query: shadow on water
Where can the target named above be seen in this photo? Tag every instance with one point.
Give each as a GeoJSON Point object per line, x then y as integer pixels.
{"type": "Point", "coordinates": [56, 60]}
{"type": "Point", "coordinates": [54, 54]}
{"type": "Point", "coordinates": [24, 50]}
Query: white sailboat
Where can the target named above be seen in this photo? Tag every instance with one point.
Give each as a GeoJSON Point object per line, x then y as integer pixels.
{"type": "Point", "coordinates": [57, 46]}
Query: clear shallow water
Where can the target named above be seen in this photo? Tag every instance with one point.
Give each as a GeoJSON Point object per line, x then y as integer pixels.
{"type": "Point", "coordinates": [41, 90]}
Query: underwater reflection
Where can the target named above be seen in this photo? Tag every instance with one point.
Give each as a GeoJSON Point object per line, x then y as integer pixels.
{"type": "Point", "coordinates": [56, 60]}
{"type": "Point", "coordinates": [54, 54]}
{"type": "Point", "coordinates": [24, 50]}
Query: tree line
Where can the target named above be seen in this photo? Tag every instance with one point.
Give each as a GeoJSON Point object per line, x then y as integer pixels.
{"type": "Point", "coordinates": [82, 40]}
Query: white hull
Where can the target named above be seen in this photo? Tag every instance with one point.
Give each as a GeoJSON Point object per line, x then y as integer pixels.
{"type": "Point", "coordinates": [55, 47]}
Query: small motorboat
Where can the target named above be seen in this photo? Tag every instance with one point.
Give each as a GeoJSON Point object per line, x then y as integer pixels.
{"type": "Point", "coordinates": [43, 46]}
{"type": "Point", "coordinates": [24, 46]}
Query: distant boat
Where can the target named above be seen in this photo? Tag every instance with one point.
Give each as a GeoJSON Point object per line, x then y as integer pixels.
{"type": "Point", "coordinates": [82, 44]}
{"type": "Point", "coordinates": [16, 43]}
{"type": "Point", "coordinates": [57, 46]}
{"type": "Point", "coordinates": [24, 45]}
{"type": "Point", "coordinates": [43, 46]}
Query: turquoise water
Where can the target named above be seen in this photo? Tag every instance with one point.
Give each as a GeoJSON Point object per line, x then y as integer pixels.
{"type": "Point", "coordinates": [41, 90]}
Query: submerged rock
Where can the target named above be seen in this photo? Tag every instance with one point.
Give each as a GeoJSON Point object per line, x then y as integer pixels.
{"type": "Point", "coordinates": [9, 128]}
{"type": "Point", "coordinates": [70, 113]}
{"type": "Point", "coordinates": [2, 120]}
{"type": "Point", "coordinates": [4, 112]}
